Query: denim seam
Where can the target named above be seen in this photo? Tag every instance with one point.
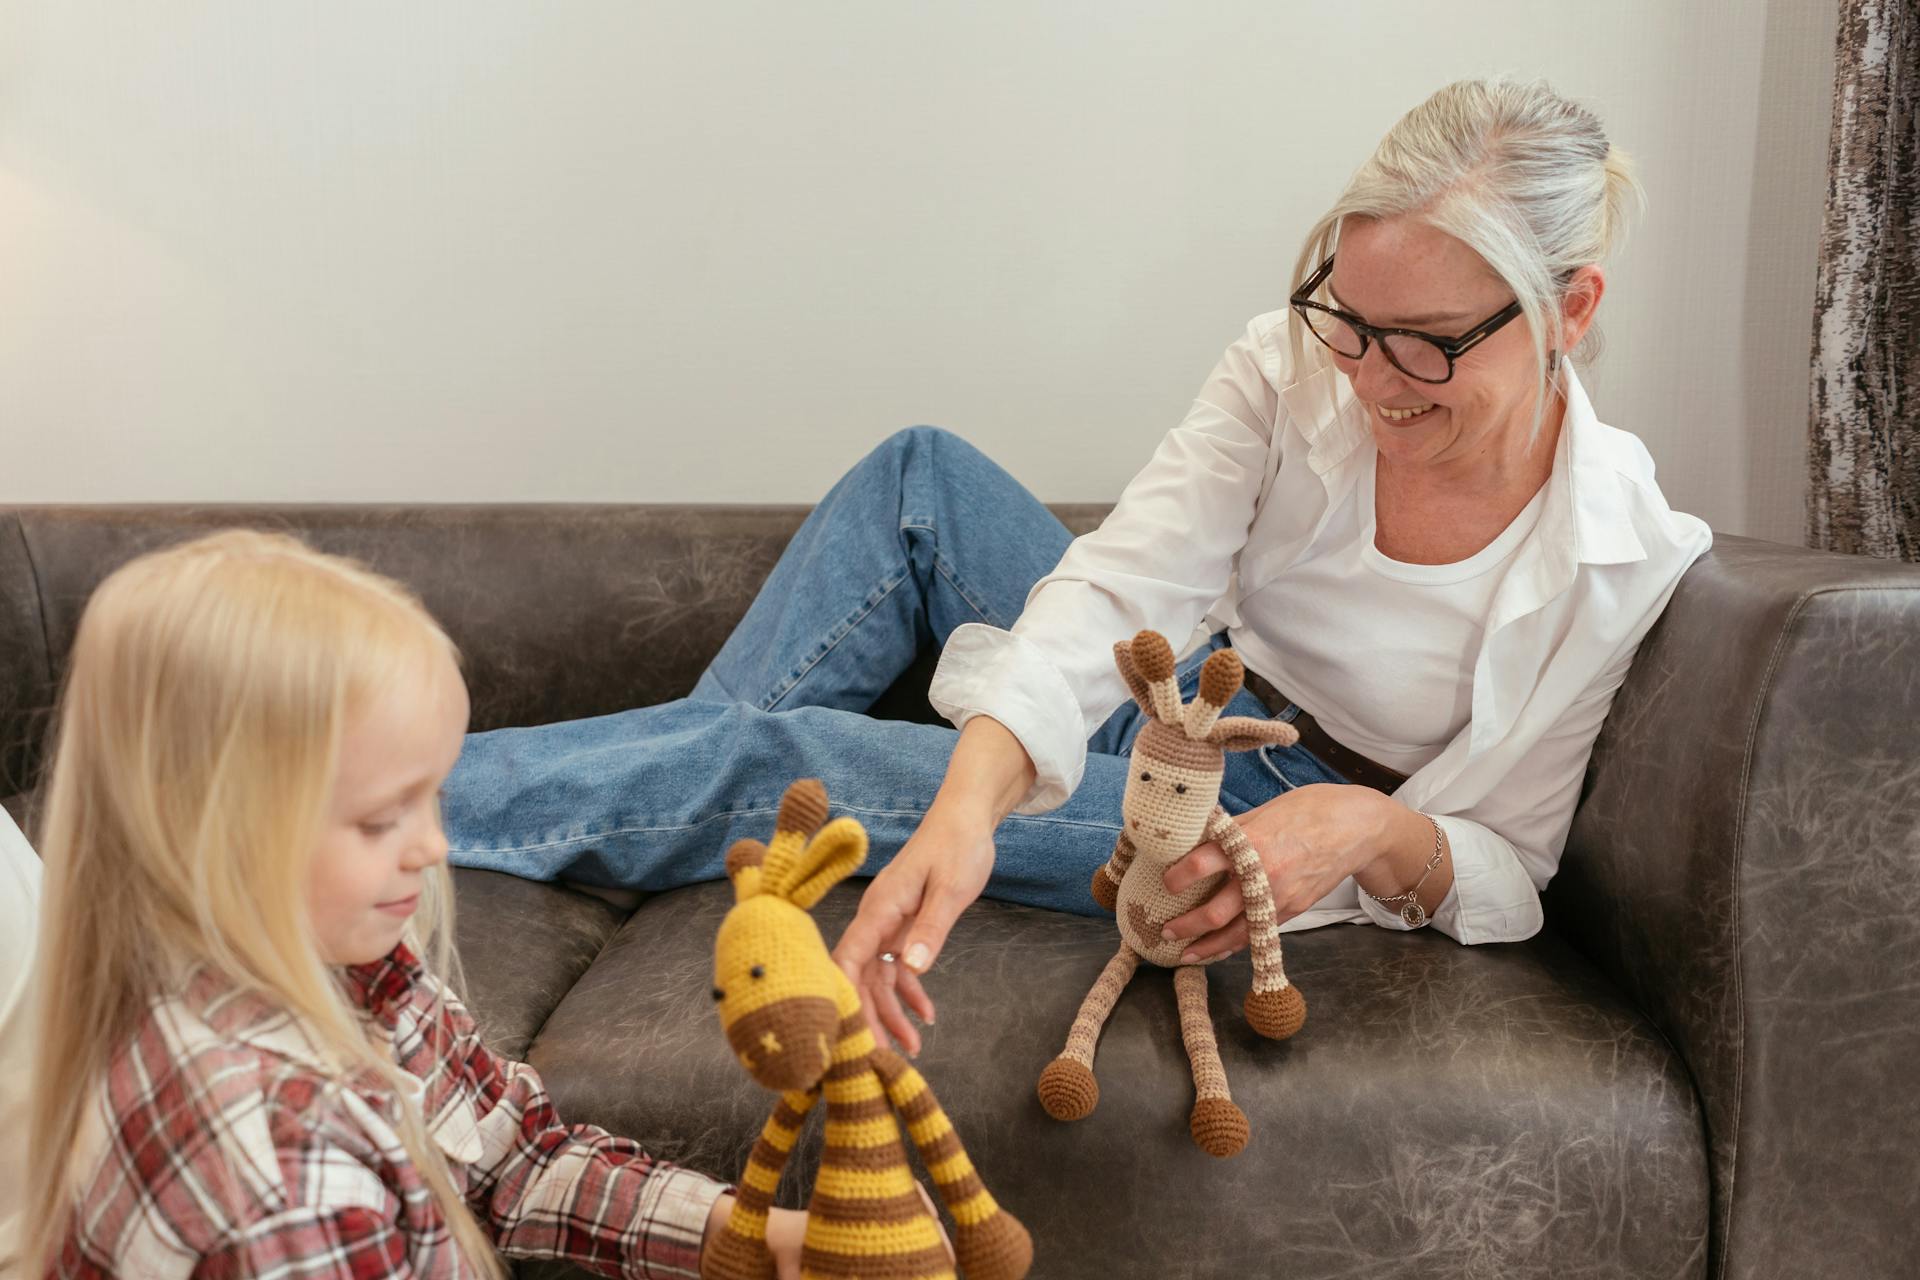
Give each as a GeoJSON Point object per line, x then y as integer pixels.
{"type": "Point", "coordinates": [1021, 817]}
{"type": "Point", "coordinates": [611, 832]}
{"type": "Point", "coordinates": [944, 567]}
{"type": "Point", "coordinates": [615, 831]}
{"type": "Point", "coordinates": [833, 641]}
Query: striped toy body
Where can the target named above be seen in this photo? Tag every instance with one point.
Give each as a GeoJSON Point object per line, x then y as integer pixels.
{"type": "Point", "coordinates": [866, 1220]}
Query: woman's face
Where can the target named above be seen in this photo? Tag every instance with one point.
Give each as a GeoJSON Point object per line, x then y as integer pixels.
{"type": "Point", "coordinates": [1403, 273]}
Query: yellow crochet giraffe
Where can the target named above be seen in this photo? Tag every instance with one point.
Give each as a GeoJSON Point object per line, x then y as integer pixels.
{"type": "Point", "coordinates": [795, 1023]}
{"type": "Point", "coordinates": [1171, 805]}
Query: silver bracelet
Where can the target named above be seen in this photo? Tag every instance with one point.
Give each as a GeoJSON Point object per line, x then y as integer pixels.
{"type": "Point", "coordinates": [1412, 912]}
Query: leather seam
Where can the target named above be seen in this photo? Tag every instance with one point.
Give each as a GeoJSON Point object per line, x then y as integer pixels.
{"type": "Point", "coordinates": [534, 1037]}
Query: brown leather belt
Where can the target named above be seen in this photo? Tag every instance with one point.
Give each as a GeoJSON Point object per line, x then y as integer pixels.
{"type": "Point", "coordinates": [1350, 763]}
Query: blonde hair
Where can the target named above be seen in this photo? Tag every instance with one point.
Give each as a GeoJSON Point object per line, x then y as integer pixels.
{"type": "Point", "coordinates": [208, 692]}
{"type": "Point", "coordinates": [1519, 174]}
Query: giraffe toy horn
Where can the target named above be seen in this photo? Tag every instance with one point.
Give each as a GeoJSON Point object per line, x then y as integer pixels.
{"type": "Point", "coordinates": [1153, 658]}
{"type": "Point", "coordinates": [1220, 679]}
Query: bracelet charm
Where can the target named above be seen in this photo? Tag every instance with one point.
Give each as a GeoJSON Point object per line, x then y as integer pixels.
{"type": "Point", "coordinates": [1411, 911]}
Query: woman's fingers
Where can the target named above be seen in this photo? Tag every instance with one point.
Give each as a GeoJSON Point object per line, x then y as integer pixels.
{"type": "Point", "coordinates": [873, 928]}
{"type": "Point", "coordinates": [941, 905]}
{"type": "Point", "coordinates": [1205, 860]}
{"type": "Point", "coordinates": [1216, 912]}
{"type": "Point", "coordinates": [1220, 942]}
{"type": "Point", "coordinates": [883, 1001]}
{"type": "Point", "coordinates": [913, 995]}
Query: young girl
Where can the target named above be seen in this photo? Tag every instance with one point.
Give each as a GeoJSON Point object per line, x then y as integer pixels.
{"type": "Point", "coordinates": [245, 1044]}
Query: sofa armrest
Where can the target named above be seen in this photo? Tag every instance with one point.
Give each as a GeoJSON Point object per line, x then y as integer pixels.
{"type": "Point", "coordinates": [1746, 864]}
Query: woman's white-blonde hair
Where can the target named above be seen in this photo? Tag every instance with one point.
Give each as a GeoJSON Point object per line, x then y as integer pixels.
{"type": "Point", "coordinates": [207, 695]}
{"type": "Point", "coordinates": [1521, 175]}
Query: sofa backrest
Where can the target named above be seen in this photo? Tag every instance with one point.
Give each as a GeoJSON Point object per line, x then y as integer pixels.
{"type": "Point", "coordinates": [560, 610]}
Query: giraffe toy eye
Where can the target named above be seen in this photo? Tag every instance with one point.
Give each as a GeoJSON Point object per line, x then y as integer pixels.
{"type": "Point", "coordinates": [718, 994]}
{"type": "Point", "coordinates": [758, 971]}
{"type": "Point", "coordinates": [1146, 777]}
{"type": "Point", "coordinates": [1180, 788]}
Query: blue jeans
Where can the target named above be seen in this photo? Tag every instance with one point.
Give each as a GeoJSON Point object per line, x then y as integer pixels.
{"type": "Point", "coordinates": [921, 536]}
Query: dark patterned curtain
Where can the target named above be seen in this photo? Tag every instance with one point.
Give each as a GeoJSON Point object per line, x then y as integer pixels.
{"type": "Point", "coordinates": [1864, 455]}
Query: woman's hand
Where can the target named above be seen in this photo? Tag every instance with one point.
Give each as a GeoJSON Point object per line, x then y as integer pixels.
{"type": "Point", "coordinates": [1309, 840]}
{"type": "Point", "coordinates": [911, 905]}
{"type": "Point", "coordinates": [907, 912]}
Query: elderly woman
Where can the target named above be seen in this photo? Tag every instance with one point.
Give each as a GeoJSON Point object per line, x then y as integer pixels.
{"type": "Point", "coordinates": [1392, 498]}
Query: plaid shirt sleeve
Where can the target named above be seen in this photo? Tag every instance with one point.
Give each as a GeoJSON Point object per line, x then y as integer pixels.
{"type": "Point", "coordinates": [552, 1190]}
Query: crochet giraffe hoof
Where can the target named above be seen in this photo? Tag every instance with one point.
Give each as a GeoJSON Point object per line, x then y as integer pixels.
{"type": "Point", "coordinates": [1105, 891]}
{"type": "Point", "coordinates": [1277, 1014]}
{"type": "Point", "coordinates": [1219, 1127]}
{"type": "Point", "coordinates": [1068, 1090]}
{"type": "Point", "coordinates": [997, 1249]}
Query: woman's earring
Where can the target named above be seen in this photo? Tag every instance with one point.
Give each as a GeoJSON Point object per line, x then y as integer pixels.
{"type": "Point", "coordinates": [1553, 361]}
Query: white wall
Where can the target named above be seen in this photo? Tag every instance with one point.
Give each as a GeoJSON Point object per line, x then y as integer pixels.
{"type": "Point", "coordinates": [456, 250]}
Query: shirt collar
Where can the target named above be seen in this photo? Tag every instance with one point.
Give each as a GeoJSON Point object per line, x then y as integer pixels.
{"type": "Point", "coordinates": [1584, 519]}
{"type": "Point", "coordinates": [383, 988]}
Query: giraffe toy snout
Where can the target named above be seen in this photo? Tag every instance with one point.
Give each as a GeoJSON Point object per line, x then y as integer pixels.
{"type": "Point", "coordinates": [786, 1045]}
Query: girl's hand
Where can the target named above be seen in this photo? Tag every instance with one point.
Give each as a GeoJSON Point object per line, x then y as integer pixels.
{"type": "Point", "coordinates": [727, 1257]}
{"type": "Point", "coordinates": [1309, 840]}
{"type": "Point", "coordinates": [907, 912]}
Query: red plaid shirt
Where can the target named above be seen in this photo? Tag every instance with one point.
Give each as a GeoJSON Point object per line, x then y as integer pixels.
{"type": "Point", "coordinates": [230, 1151]}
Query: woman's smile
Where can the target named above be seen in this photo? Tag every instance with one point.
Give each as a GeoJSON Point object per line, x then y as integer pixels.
{"type": "Point", "coordinates": [1402, 416]}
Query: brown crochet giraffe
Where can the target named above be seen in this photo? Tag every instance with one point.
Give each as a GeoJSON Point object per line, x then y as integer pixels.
{"type": "Point", "coordinates": [1172, 805]}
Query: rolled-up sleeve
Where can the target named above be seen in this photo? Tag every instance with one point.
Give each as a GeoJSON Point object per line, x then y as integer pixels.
{"type": "Point", "coordinates": [1162, 557]}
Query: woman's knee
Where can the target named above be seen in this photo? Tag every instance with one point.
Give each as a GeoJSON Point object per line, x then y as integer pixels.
{"type": "Point", "coordinates": [935, 453]}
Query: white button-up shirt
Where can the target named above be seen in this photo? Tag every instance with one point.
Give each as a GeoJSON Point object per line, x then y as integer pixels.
{"type": "Point", "coordinates": [1233, 498]}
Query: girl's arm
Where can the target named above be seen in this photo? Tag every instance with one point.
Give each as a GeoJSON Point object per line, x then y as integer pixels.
{"type": "Point", "coordinates": [543, 1188]}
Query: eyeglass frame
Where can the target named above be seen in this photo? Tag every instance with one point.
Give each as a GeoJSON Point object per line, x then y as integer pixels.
{"type": "Point", "coordinates": [1451, 348]}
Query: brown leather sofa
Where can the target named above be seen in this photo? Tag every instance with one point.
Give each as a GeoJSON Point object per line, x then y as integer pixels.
{"type": "Point", "coordinates": [1695, 1070]}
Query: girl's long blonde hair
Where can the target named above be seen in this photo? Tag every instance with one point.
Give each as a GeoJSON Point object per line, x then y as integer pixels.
{"type": "Point", "coordinates": [208, 692]}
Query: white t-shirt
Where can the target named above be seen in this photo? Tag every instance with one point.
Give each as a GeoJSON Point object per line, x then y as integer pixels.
{"type": "Point", "coordinates": [1380, 652]}
{"type": "Point", "coordinates": [19, 906]}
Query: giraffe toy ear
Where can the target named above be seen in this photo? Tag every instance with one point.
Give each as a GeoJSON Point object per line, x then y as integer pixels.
{"type": "Point", "coordinates": [801, 869]}
{"type": "Point", "coordinates": [830, 857]}
{"type": "Point", "coordinates": [1244, 733]}
{"type": "Point", "coordinates": [1123, 658]}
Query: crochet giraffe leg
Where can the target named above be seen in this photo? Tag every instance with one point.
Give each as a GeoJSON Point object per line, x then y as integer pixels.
{"type": "Point", "coordinates": [1219, 1127]}
{"type": "Point", "coordinates": [1275, 1008]}
{"type": "Point", "coordinates": [1067, 1088]}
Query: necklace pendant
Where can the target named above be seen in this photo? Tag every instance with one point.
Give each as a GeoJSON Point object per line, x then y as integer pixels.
{"type": "Point", "coordinates": [1414, 914]}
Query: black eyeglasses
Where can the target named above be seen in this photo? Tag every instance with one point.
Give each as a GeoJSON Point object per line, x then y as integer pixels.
{"type": "Point", "coordinates": [1424, 357]}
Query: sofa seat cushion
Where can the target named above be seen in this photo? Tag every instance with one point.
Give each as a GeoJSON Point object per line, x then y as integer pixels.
{"type": "Point", "coordinates": [1489, 1111]}
{"type": "Point", "coordinates": [523, 944]}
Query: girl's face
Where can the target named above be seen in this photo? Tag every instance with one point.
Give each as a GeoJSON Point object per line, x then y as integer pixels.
{"type": "Point", "coordinates": [1403, 273]}
{"type": "Point", "coordinates": [381, 831]}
